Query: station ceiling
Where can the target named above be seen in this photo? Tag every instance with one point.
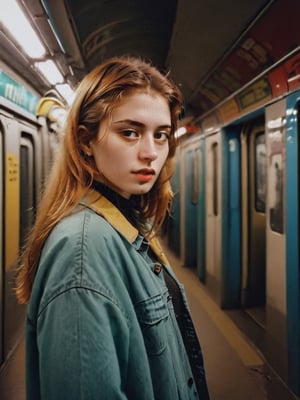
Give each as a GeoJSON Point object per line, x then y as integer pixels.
{"type": "Point", "coordinates": [188, 38]}
{"type": "Point", "coordinates": [211, 48]}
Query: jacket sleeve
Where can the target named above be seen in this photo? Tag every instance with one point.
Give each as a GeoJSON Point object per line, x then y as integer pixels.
{"type": "Point", "coordinates": [83, 342]}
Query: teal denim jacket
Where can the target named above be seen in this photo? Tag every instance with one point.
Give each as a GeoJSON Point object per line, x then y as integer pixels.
{"type": "Point", "coordinates": [100, 323]}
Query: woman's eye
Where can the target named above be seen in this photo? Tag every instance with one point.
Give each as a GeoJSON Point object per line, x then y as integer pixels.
{"type": "Point", "coordinates": [130, 133]}
{"type": "Point", "coordinates": [162, 136]}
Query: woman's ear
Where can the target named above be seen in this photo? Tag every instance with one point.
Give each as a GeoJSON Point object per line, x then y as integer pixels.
{"type": "Point", "coordinates": [84, 140]}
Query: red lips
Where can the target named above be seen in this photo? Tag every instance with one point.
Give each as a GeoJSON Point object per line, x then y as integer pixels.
{"type": "Point", "coordinates": [145, 174]}
{"type": "Point", "coordinates": [145, 171]}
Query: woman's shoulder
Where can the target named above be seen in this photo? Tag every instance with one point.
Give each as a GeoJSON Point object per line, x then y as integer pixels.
{"type": "Point", "coordinates": [83, 221]}
{"type": "Point", "coordinates": [77, 255]}
{"type": "Point", "coordinates": [78, 240]}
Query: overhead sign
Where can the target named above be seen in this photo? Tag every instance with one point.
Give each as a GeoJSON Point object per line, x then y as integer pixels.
{"type": "Point", "coordinates": [16, 93]}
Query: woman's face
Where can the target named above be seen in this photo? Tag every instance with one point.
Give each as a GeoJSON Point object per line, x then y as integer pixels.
{"type": "Point", "coordinates": [132, 147]}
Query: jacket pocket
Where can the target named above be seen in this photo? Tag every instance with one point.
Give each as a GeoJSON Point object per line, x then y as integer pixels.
{"type": "Point", "coordinates": [152, 315]}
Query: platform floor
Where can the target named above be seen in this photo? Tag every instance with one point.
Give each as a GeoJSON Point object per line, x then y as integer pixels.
{"type": "Point", "coordinates": [235, 369]}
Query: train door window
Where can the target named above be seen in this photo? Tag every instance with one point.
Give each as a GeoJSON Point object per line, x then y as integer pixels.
{"type": "Point", "coordinates": [260, 172]}
{"type": "Point", "coordinates": [254, 193]}
{"type": "Point", "coordinates": [27, 204]}
{"type": "Point", "coordinates": [195, 176]}
{"type": "Point", "coordinates": [275, 181]}
{"type": "Point", "coordinates": [215, 197]}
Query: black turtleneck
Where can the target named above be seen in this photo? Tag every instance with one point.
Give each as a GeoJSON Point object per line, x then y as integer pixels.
{"type": "Point", "coordinates": [128, 207]}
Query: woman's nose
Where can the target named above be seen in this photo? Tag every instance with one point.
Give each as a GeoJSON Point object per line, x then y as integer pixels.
{"type": "Point", "coordinates": [148, 150]}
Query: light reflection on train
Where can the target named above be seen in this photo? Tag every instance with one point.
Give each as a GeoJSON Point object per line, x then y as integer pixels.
{"type": "Point", "coordinates": [235, 219]}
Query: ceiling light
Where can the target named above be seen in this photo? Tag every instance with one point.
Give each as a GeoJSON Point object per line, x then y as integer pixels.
{"type": "Point", "coordinates": [66, 92]}
{"type": "Point", "coordinates": [13, 18]}
{"type": "Point", "coordinates": [50, 71]}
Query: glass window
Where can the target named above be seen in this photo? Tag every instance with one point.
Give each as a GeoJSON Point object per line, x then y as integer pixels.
{"type": "Point", "coordinates": [196, 173]}
{"type": "Point", "coordinates": [26, 189]}
{"type": "Point", "coordinates": [215, 178]}
{"type": "Point", "coordinates": [260, 172]}
{"type": "Point", "coordinates": [275, 181]}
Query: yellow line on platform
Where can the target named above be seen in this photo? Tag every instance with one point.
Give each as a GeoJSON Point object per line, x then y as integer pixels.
{"type": "Point", "coordinates": [227, 328]}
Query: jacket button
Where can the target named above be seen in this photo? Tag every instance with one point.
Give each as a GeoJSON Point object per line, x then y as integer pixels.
{"type": "Point", "coordinates": [190, 382]}
{"type": "Point", "coordinates": [157, 268]}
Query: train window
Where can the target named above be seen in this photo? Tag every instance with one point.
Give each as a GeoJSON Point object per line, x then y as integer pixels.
{"type": "Point", "coordinates": [195, 176]}
{"type": "Point", "coordinates": [275, 178]}
{"type": "Point", "coordinates": [27, 204]}
{"type": "Point", "coordinates": [215, 198]}
{"type": "Point", "coordinates": [260, 172]}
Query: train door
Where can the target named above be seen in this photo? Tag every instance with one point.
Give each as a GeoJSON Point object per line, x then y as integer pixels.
{"type": "Point", "coordinates": [253, 195]}
{"type": "Point", "coordinates": [21, 142]}
{"type": "Point", "coordinates": [1, 247]}
{"type": "Point", "coordinates": [231, 218]}
{"type": "Point", "coordinates": [189, 200]}
{"type": "Point", "coordinates": [11, 311]}
{"type": "Point", "coordinates": [27, 195]}
{"type": "Point", "coordinates": [275, 201]}
{"type": "Point", "coordinates": [213, 228]}
{"type": "Point", "coordinates": [276, 292]}
{"type": "Point", "coordinates": [200, 176]}
{"type": "Point", "coordinates": [173, 222]}
{"type": "Point", "coordinates": [292, 228]}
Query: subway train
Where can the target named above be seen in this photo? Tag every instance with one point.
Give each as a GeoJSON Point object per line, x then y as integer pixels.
{"type": "Point", "coordinates": [29, 136]}
{"type": "Point", "coordinates": [235, 213]}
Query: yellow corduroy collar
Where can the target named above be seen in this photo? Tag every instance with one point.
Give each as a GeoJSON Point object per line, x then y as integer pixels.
{"type": "Point", "coordinates": [102, 206]}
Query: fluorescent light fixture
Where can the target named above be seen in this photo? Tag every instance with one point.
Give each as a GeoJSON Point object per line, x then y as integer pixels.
{"type": "Point", "coordinates": [50, 71]}
{"type": "Point", "coordinates": [13, 18]}
{"type": "Point", "coordinates": [66, 92]}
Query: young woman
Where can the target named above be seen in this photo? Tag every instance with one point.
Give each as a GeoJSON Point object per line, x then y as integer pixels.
{"type": "Point", "coordinates": [107, 318]}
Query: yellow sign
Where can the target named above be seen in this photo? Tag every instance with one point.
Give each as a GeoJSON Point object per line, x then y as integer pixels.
{"type": "Point", "coordinates": [12, 209]}
{"type": "Point", "coordinates": [255, 94]}
{"type": "Point", "coordinates": [228, 110]}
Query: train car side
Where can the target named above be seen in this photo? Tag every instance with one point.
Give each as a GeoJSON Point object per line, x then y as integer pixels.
{"type": "Point", "coordinates": [250, 244]}
{"type": "Point", "coordinates": [26, 155]}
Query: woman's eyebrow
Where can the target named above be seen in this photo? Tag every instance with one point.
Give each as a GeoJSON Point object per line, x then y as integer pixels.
{"type": "Point", "coordinates": [129, 121]}
{"type": "Point", "coordinates": [139, 124]}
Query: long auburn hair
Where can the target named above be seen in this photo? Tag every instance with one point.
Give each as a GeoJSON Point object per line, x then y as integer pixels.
{"type": "Point", "coordinates": [72, 175]}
